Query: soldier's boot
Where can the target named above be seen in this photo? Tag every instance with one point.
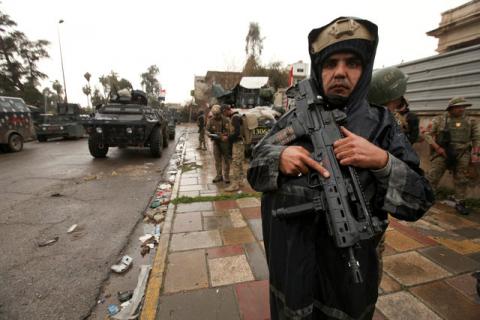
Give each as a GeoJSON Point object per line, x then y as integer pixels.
{"type": "Point", "coordinates": [233, 187]}
{"type": "Point", "coordinates": [462, 208]}
{"type": "Point", "coordinates": [217, 179]}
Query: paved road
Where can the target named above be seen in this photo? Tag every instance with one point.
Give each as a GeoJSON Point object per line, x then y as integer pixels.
{"type": "Point", "coordinates": [105, 197]}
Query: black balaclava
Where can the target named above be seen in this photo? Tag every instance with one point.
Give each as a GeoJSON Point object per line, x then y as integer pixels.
{"type": "Point", "coordinates": [365, 49]}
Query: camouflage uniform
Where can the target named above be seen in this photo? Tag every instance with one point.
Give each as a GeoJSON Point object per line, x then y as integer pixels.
{"type": "Point", "coordinates": [201, 132]}
{"type": "Point", "coordinates": [465, 133]}
{"type": "Point", "coordinates": [236, 138]}
{"type": "Point", "coordinates": [221, 152]}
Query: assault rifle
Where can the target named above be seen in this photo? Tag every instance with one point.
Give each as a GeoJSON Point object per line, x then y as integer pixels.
{"type": "Point", "coordinates": [341, 197]}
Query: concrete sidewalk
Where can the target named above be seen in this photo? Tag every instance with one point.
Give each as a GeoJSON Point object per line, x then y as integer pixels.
{"type": "Point", "coordinates": [211, 261]}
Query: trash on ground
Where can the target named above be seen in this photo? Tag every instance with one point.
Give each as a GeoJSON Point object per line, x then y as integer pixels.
{"type": "Point", "coordinates": [159, 217]}
{"type": "Point", "coordinates": [129, 312]}
{"type": "Point", "coordinates": [125, 304]}
{"type": "Point", "coordinates": [101, 301]}
{"type": "Point", "coordinates": [145, 250]}
{"type": "Point", "coordinates": [165, 186]}
{"type": "Point", "coordinates": [48, 242]}
{"type": "Point", "coordinates": [146, 237]}
{"type": "Point", "coordinates": [150, 245]}
{"type": "Point", "coordinates": [56, 195]}
{"type": "Point", "coordinates": [124, 295]}
{"type": "Point", "coordinates": [90, 178]}
{"type": "Point", "coordinates": [155, 203]}
{"type": "Point", "coordinates": [124, 264]}
{"type": "Point", "coordinates": [113, 309]}
{"type": "Point", "coordinates": [72, 228]}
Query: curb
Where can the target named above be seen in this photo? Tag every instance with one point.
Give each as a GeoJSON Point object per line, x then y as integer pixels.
{"type": "Point", "coordinates": [155, 281]}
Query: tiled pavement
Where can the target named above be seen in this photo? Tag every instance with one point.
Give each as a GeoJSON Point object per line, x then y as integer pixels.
{"type": "Point", "coordinates": [216, 269]}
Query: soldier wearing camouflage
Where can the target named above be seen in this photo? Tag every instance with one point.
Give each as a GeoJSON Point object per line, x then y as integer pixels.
{"type": "Point", "coordinates": [219, 126]}
{"type": "Point", "coordinates": [201, 131]}
{"type": "Point", "coordinates": [387, 89]}
{"type": "Point", "coordinates": [236, 138]}
{"type": "Point", "coordinates": [464, 132]}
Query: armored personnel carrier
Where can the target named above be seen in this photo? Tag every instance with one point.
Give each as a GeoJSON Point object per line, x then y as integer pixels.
{"type": "Point", "coordinates": [126, 121]}
{"type": "Point", "coordinates": [66, 123]}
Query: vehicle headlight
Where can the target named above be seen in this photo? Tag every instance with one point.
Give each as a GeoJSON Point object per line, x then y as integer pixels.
{"type": "Point", "coordinates": [129, 130]}
{"type": "Point", "coordinates": [61, 128]}
{"type": "Point", "coordinates": [99, 129]}
{"type": "Point", "coordinates": [43, 128]}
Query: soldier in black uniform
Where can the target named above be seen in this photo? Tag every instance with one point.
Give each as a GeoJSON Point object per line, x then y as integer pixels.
{"type": "Point", "coordinates": [309, 274]}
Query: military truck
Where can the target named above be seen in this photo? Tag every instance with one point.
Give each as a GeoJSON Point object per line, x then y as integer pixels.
{"type": "Point", "coordinates": [16, 125]}
{"type": "Point", "coordinates": [66, 123]}
{"type": "Point", "coordinates": [126, 121]}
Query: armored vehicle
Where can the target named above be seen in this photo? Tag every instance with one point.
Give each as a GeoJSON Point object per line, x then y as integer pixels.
{"type": "Point", "coordinates": [16, 124]}
{"type": "Point", "coordinates": [66, 123]}
{"type": "Point", "coordinates": [126, 121]}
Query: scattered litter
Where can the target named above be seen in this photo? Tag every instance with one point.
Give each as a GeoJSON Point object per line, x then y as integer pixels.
{"type": "Point", "coordinates": [145, 250]}
{"type": "Point", "coordinates": [125, 304]}
{"type": "Point", "coordinates": [150, 245]}
{"type": "Point", "coordinates": [113, 309]}
{"type": "Point", "coordinates": [171, 179]}
{"type": "Point", "coordinates": [101, 301]}
{"type": "Point", "coordinates": [56, 195]}
{"type": "Point", "coordinates": [90, 178]}
{"type": "Point", "coordinates": [72, 228]}
{"type": "Point", "coordinates": [164, 186]}
{"type": "Point", "coordinates": [159, 217]}
{"type": "Point", "coordinates": [156, 203]}
{"type": "Point", "coordinates": [124, 295]}
{"type": "Point", "coordinates": [124, 264]}
{"type": "Point", "coordinates": [129, 311]}
{"type": "Point", "coordinates": [48, 242]}
{"type": "Point", "coordinates": [145, 237]}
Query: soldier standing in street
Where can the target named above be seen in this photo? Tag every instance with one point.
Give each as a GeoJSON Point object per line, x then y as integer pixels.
{"type": "Point", "coordinates": [236, 139]}
{"type": "Point", "coordinates": [201, 131]}
{"type": "Point", "coordinates": [310, 276]}
{"type": "Point", "coordinates": [219, 127]}
{"type": "Point", "coordinates": [454, 138]}
{"type": "Point", "coordinates": [387, 89]}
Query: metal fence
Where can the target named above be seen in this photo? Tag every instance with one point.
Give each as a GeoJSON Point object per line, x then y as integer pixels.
{"type": "Point", "coordinates": [434, 80]}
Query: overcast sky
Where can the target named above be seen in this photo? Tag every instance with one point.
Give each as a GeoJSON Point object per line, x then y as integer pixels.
{"type": "Point", "coordinates": [187, 38]}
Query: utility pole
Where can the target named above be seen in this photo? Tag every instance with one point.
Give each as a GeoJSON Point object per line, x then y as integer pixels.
{"type": "Point", "coordinates": [61, 60]}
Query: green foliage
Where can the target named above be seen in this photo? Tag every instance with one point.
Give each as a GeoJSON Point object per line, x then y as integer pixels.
{"type": "Point", "coordinates": [151, 85]}
{"type": "Point", "coordinates": [19, 58]}
{"type": "Point", "coordinates": [233, 196]}
{"type": "Point", "coordinates": [112, 82]}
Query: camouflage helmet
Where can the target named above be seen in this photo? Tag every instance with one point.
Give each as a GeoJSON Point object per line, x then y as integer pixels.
{"type": "Point", "coordinates": [458, 102]}
{"type": "Point", "coordinates": [216, 110]}
{"type": "Point", "coordinates": [387, 84]}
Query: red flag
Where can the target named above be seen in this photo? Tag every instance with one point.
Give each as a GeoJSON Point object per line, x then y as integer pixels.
{"type": "Point", "coordinates": [290, 77]}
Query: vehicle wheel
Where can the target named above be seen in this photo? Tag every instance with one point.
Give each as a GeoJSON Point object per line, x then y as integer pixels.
{"type": "Point", "coordinates": [165, 139]}
{"type": "Point", "coordinates": [42, 138]}
{"type": "Point", "coordinates": [156, 143]}
{"type": "Point", "coordinates": [171, 136]}
{"type": "Point", "coordinates": [97, 148]}
{"type": "Point", "coordinates": [15, 142]}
